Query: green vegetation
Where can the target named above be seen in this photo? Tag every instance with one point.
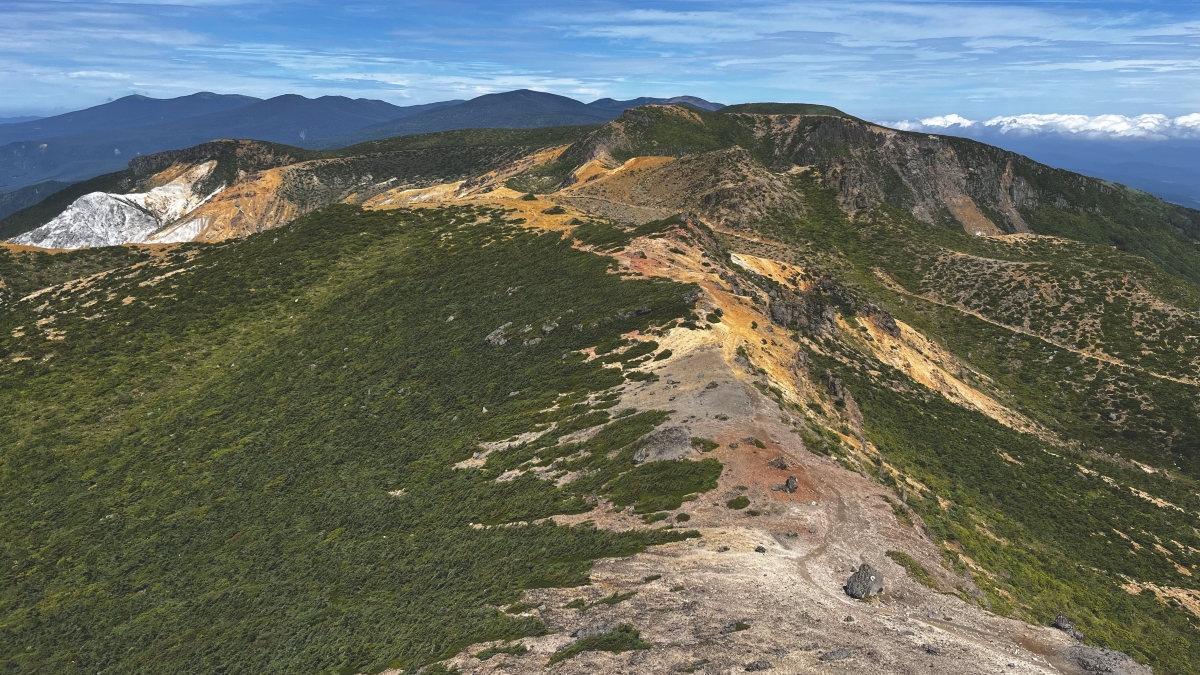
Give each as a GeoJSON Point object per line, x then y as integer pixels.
{"type": "Point", "coordinates": [623, 638]}
{"type": "Point", "coordinates": [918, 573]}
{"type": "Point", "coordinates": [608, 237]}
{"type": "Point", "coordinates": [259, 452]}
{"type": "Point", "coordinates": [739, 502]}
{"type": "Point", "coordinates": [782, 109]}
{"type": "Point", "coordinates": [515, 649]}
{"type": "Point", "coordinates": [661, 486]}
{"type": "Point", "coordinates": [652, 577]}
{"type": "Point", "coordinates": [614, 599]}
{"type": "Point", "coordinates": [23, 272]}
{"type": "Point", "coordinates": [704, 444]}
{"type": "Point", "coordinates": [640, 376]}
{"type": "Point", "coordinates": [663, 355]}
{"type": "Point", "coordinates": [543, 137]}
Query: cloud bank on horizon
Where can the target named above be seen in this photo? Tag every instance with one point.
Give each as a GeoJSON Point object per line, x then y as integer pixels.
{"type": "Point", "coordinates": [876, 59]}
{"type": "Point", "coordinates": [1153, 126]}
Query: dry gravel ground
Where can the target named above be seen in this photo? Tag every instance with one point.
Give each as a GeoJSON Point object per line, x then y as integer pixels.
{"type": "Point", "coordinates": [791, 594]}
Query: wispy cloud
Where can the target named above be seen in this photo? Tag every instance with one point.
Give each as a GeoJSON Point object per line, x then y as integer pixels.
{"type": "Point", "coordinates": [874, 58]}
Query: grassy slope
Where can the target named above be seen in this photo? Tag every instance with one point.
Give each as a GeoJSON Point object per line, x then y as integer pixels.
{"type": "Point", "coordinates": [1059, 550]}
{"type": "Point", "coordinates": [199, 479]}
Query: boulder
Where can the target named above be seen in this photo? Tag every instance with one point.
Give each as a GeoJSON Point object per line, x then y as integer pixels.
{"type": "Point", "coordinates": [791, 484]}
{"type": "Point", "coordinates": [778, 463]}
{"type": "Point", "coordinates": [1106, 661]}
{"type": "Point", "coordinates": [496, 338]}
{"type": "Point", "coordinates": [1067, 626]}
{"type": "Point", "coordinates": [754, 666]}
{"type": "Point", "coordinates": [864, 583]}
{"type": "Point", "coordinates": [668, 443]}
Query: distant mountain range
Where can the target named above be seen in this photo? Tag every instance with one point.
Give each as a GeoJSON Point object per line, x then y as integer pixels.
{"type": "Point", "coordinates": [79, 145]}
{"type": "Point", "coordinates": [129, 112]}
{"type": "Point", "coordinates": [47, 153]}
{"type": "Point", "coordinates": [521, 109]}
{"type": "Point", "coordinates": [87, 143]}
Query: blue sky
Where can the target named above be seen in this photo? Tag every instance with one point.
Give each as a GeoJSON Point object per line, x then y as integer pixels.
{"type": "Point", "coordinates": [881, 60]}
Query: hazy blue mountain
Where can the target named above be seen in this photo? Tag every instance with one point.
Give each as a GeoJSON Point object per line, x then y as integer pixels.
{"type": "Point", "coordinates": [284, 119]}
{"type": "Point", "coordinates": [11, 202]}
{"type": "Point", "coordinates": [620, 106]}
{"type": "Point", "coordinates": [520, 109]}
{"type": "Point", "coordinates": [15, 120]}
{"type": "Point", "coordinates": [124, 113]}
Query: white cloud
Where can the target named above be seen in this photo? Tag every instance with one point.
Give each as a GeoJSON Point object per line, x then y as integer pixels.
{"type": "Point", "coordinates": [1188, 121]}
{"type": "Point", "coordinates": [943, 121]}
{"type": "Point", "coordinates": [1112, 126]}
{"type": "Point", "coordinates": [1152, 126]}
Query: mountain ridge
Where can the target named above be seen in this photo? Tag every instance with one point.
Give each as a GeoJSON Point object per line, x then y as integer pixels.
{"type": "Point", "coordinates": [486, 399]}
{"type": "Point", "coordinates": [522, 108]}
{"type": "Point", "coordinates": [283, 118]}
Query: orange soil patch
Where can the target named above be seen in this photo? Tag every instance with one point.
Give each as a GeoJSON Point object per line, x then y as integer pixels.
{"type": "Point", "coordinates": [598, 172]}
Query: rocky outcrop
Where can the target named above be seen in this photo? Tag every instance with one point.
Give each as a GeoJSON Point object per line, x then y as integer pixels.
{"type": "Point", "coordinates": [1106, 661]}
{"type": "Point", "coordinates": [668, 443]}
{"type": "Point", "coordinates": [864, 583]}
{"type": "Point", "coordinates": [104, 219]}
{"type": "Point", "coordinates": [1067, 626]}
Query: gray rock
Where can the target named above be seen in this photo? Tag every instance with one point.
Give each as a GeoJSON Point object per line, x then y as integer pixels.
{"type": "Point", "coordinates": [668, 443]}
{"type": "Point", "coordinates": [758, 665]}
{"type": "Point", "coordinates": [778, 463]}
{"type": "Point", "coordinates": [864, 583]}
{"type": "Point", "coordinates": [791, 484]}
{"type": "Point", "coordinates": [836, 655]}
{"type": "Point", "coordinates": [496, 338]}
{"type": "Point", "coordinates": [1067, 626]}
{"type": "Point", "coordinates": [711, 385]}
{"type": "Point", "coordinates": [1106, 661]}
{"type": "Point", "coordinates": [548, 328]}
{"type": "Point", "coordinates": [592, 630]}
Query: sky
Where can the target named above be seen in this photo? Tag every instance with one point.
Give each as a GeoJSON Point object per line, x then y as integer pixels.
{"type": "Point", "coordinates": [902, 62]}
